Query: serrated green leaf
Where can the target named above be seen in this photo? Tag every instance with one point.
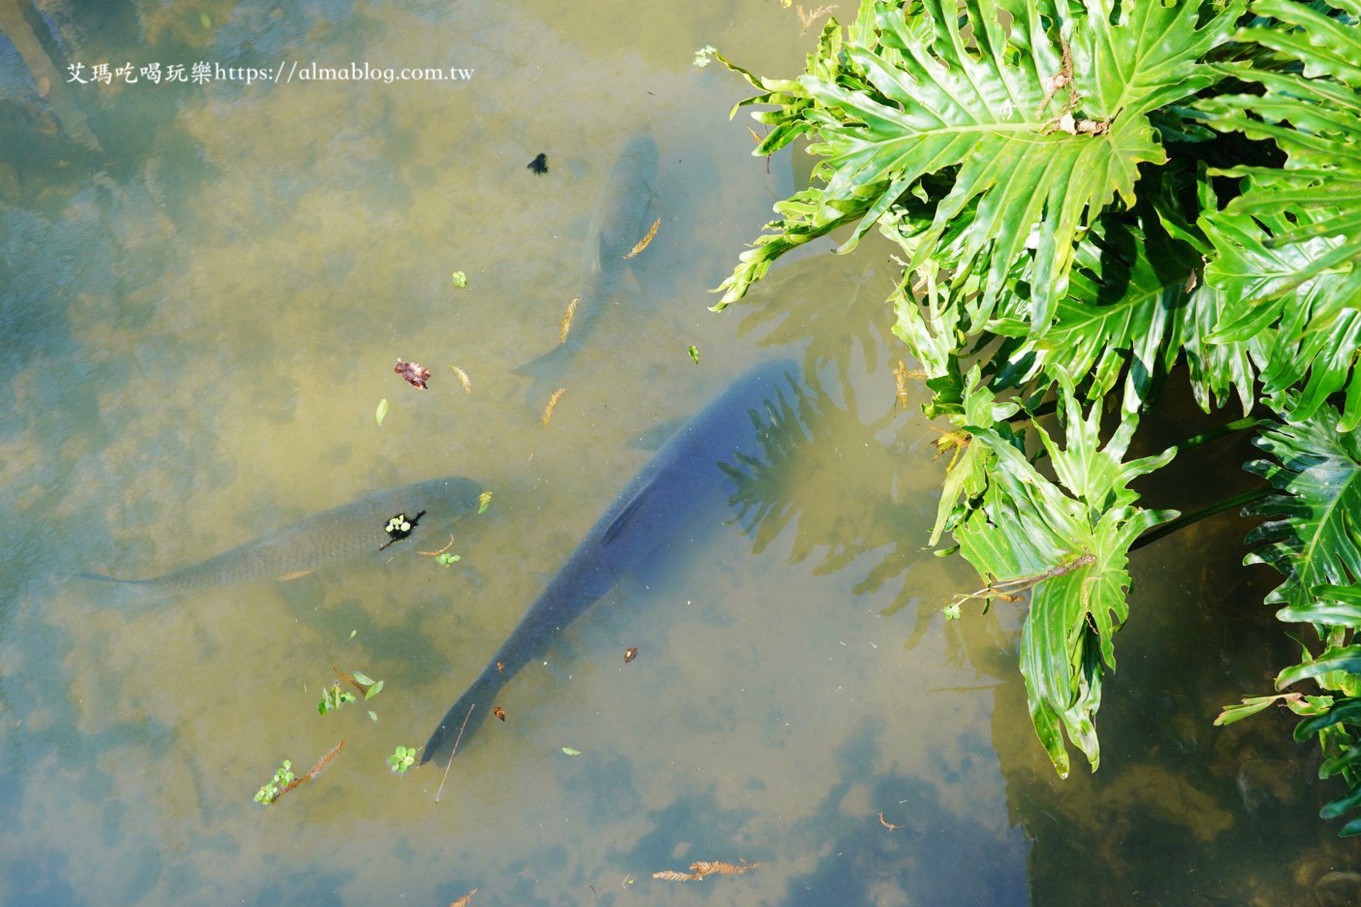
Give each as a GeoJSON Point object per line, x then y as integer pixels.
{"type": "Point", "coordinates": [1346, 659]}
{"type": "Point", "coordinates": [1073, 537]}
{"type": "Point", "coordinates": [1312, 537]}
{"type": "Point", "coordinates": [1250, 706]}
{"type": "Point", "coordinates": [928, 93]}
{"type": "Point", "coordinates": [1343, 710]}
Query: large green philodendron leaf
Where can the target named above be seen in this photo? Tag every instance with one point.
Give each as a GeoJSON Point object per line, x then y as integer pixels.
{"type": "Point", "coordinates": [1293, 305]}
{"type": "Point", "coordinates": [1069, 541]}
{"type": "Point", "coordinates": [1033, 112]}
{"type": "Point", "coordinates": [1123, 314]}
{"type": "Point", "coordinates": [1287, 247]}
{"type": "Point", "coordinates": [1314, 537]}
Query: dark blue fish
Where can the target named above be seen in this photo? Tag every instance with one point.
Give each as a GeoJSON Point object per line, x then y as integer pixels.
{"type": "Point", "coordinates": [688, 487]}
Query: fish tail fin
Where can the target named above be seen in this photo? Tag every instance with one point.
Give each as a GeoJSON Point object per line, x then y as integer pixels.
{"type": "Point", "coordinates": [123, 593]}
{"type": "Point", "coordinates": [464, 717]}
{"type": "Point", "coordinates": [547, 371]}
{"type": "Point", "coordinates": [540, 364]}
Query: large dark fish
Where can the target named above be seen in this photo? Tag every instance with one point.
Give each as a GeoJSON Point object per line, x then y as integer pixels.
{"type": "Point", "coordinates": [685, 489]}
{"type": "Point", "coordinates": [618, 224]}
{"type": "Point", "coordinates": [321, 540]}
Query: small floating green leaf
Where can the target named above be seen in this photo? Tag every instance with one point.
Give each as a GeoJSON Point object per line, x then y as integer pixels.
{"type": "Point", "coordinates": [382, 412]}
{"type": "Point", "coordinates": [353, 634]}
{"type": "Point", "coordinates": [373, 716]}
{"type": "Point", "coordinates": [402, 759]}
{"type": "Point", "coordinates": [694, 353]}
{"type": "Point", "coordinates": [483, 502]}
{"type": "Point", "coordinates": [460, 279]}
{"type": "Point", "coordinates": [275, 786]}
{"type": "Point", "coordinates": [333, 699]}
{"type": "Point", "coordinates": [569, 751]}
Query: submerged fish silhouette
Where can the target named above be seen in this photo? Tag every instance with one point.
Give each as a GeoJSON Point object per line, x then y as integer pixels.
{"type": "Point", "coordinates": [688, 481]}
{"type": "Point", "coordinates": [617, 225]}
{"type": "Point", "coordinates": [321, 540]}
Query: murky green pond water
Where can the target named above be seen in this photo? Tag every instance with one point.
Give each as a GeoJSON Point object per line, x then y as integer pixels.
{"type": "Point", "coordinates": [203, 287]}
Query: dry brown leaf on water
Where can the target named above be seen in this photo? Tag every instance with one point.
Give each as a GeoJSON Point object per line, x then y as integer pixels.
{"type": "Point", "coordinates": [500, 667]}
{"type": "Point", "coordinates": [467, 899]}
{"type": "Point", "coordinates": [887, 824]}
{"type": "Point", "coordinates": [498, 712]}
{"type": "Point", "coordinates": [316, 770]}
{"type": "Point", "coordinates": [412, 373]}
{"type": "Point", "coordinates": [671, 875]}
{"type": "Point", "coordinates": [347, 677]}
{"type": "Point", "coordinates": [721, 868]}
{"type": "Point", "coordinates": [643, 243]}
{"type": "Point", "coordinates": [325, 761]}
{"type": "Point", "coordinates": [900, 379]}
{"type": "Point", "coordinates": [808, 18]}
{"type": "Point", "coordinates": [630, 653]}
{"type": "Point", "coordinates": [565, 326]}
{"type": "Point", "coordinates": [552, 404]}
{"type": "Point", "coordinates": [463, 379]}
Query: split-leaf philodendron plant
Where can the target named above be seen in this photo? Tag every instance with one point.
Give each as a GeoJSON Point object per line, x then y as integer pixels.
{"type": "Point", "coordinates": [1085, 193]}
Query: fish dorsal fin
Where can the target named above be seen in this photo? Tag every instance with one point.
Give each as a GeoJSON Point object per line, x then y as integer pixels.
{"type": "Point", "coordinates": [626, 513]}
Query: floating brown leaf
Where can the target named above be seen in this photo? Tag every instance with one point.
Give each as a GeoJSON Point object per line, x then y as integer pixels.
{"type": "Point", "coordinates": [887, 824]}
{"type": "Point", "coordinates": [643, 243]}
{"type": "Point", "coordinates": [701, 869]}
{"type": "Point", "coordinates": [900, 375]}
{"type": "Point", "coordinates": [498, 712]}
{"type": "Point", "coordinates": [630, 653]}
{"type": "Point", "coordinates": [721, 868]}
{"type": "Point", "coordinates": [316, 769]}
{"type": "Point", "coordinates": [552, 404]}
{"type": "Point", "coordinates": [467, 899]}
{"type": "Point", "coordinates": [500, 667]}
{"type": "Point", "coordinates": [811, 16]}
{"type": "Point", "coordinates": [413, 373]}
{"type": "Point", "coordinates": [565, 326]}
{"type": "Point", "coordinates": [346, 677]}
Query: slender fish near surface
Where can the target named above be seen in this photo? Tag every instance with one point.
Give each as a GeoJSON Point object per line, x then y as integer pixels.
{"type": "Point", "coordinates": [321, 540]}
{"type": "Point", "coordinates": [685, 489]}
{"type": "Point", "coordinates": [618, 223]}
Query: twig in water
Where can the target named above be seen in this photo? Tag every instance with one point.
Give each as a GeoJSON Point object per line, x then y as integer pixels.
{"type": "Point", "coordinates": [454, 752]}
{"type": "Point", "coordinates": [439, 552]}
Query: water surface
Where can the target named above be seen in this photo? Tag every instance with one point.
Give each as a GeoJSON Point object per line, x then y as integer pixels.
{"type": "Point", "coordinates": [204, 288]}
